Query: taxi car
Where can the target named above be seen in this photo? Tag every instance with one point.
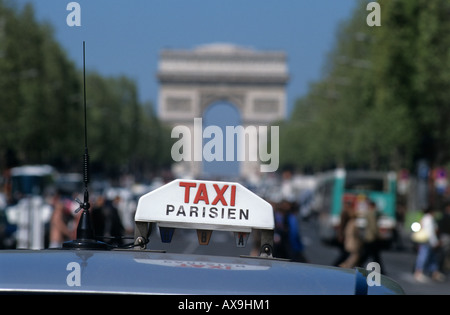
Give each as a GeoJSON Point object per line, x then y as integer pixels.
{"type": "Point", "coordinates": [86, 265]}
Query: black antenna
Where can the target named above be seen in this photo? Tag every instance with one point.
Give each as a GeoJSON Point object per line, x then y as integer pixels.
{"type": "Point", "coordinates": [85, 232]}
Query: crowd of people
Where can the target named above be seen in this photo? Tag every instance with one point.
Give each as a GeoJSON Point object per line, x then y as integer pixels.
{"type": "Point", "coordinates": [357, 245]}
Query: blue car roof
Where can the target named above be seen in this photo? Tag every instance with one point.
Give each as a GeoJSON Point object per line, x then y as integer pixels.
{"type": "Point", "coordinates": [148, 272]}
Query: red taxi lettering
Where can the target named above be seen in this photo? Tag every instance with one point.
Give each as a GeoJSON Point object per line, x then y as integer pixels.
{"type": "Point", "coordinates": [233, 195]}
{"type": "Point", "coordinates": [187, 186]}
{"type": "Point", "coordinates": [202, 193]}
{"type": "Point", "coordinates": [219, 196]}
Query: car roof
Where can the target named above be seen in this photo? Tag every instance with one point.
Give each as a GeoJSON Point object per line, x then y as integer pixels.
{"type": "Point", "coordinates": [152, 272]}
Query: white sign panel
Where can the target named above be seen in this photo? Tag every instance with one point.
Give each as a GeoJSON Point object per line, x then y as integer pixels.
{"type": "Point", "coordinates": [205, 205]}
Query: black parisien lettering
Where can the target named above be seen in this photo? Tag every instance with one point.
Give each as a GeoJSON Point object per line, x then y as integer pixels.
{"type": "Point", "coordinates": [211, 212]}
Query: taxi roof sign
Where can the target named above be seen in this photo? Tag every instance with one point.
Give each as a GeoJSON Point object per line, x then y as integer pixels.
{"type": "Point", "coordinates": [205, 205]}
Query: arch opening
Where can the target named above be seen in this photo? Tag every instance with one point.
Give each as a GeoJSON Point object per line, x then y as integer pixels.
{"type": "Point", "coordinates": [216, 117]}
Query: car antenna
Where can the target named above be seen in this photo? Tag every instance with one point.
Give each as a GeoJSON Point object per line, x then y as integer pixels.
{"type": "Point", "coordinates": [85, 232]}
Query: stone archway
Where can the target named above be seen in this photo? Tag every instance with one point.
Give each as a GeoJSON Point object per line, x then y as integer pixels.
{"type": "Point", "coordinates": [191, 80]}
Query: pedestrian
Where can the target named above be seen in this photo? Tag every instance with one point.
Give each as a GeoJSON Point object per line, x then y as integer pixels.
{"type": "Point", "coordinates": [288, 190]}
{"type": "Point", "coordinates": [106, 221]}
{"type": "Point", "coordinates": [287, 238]}
{"type": "Point", "coordinates": [371, 247]}
{"type": "Point", "coordinates": [444, 235]}
{"type": "Point", "coordinates": [287, 241]}
{"type": "Point", "coordinates": [295, 242]}
{"type": "Point", "coordinates": [60, 227]}
{"type": "Point", "coordinates": [352, 240]}
{"type": "Point", "coordinates": [340, 231]}
{"type": "Point", "coordinates": [427, 255]}
{"type": "Point", "coordinates": [280, 234]}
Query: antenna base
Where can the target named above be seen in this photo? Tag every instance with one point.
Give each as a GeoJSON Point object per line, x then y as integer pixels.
{"type": "Point", "coordinates": [85, 244]}
{"type": "Point", "coordinates": [85, 235]}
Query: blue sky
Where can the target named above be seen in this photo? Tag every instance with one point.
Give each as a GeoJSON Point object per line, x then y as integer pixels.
{"type": "Point", "coordinates": [124, 37]}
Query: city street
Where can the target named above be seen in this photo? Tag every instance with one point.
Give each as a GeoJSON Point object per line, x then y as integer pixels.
{"type": "Point", "coordinates": [329, 108]}
{"type": "Point", "coordinates": [399, 264]}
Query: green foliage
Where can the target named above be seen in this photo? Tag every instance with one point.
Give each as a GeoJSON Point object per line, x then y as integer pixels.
{"type": "Point", "coordinates": [41, 107]}
{"type": "Point", "coordinates": [383, 101]}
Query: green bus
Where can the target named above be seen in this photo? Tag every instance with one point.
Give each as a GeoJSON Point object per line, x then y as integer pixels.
{"type": "Point", "coordinates": [359, 187]}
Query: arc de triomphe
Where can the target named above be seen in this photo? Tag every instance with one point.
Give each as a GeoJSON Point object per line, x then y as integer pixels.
{"type": "Point", "coordinates": [191, 80]}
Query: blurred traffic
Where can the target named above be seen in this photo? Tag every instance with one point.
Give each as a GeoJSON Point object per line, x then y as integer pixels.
{"type": "Point", "coordinates": [38, 207]}
{"type": "Point", "coordinates": [356, 217]}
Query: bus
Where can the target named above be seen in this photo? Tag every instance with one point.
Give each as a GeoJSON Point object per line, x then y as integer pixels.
{"type": "Point", "coordinates": [358, 187]}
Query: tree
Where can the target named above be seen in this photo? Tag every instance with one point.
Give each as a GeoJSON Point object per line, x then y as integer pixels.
{"type": "Point", "coordinates": [41, 107]}
{"type": "Point", "coordinates": [432, 79]}
{"type": "Point", "coordinates": [39, 91]}
{"type": "Point", "coordinates": [124, 136]}
{"type": "Point", "coordinates": [382, 102]}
